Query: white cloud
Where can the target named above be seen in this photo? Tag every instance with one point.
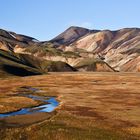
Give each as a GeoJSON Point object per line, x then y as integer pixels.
{"type": "Point", "coordinates": [86, 24]}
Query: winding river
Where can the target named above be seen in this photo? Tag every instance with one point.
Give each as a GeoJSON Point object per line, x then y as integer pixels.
{"type": "Point", "coordinates": [50, 104]}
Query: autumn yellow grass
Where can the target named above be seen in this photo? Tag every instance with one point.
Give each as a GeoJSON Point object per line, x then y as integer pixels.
{"type": "Point", "coordinates": [92, 106]}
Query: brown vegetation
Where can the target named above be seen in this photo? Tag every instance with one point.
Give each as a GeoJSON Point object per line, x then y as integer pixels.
{"type": "Point", "coordinates": [92, 106]}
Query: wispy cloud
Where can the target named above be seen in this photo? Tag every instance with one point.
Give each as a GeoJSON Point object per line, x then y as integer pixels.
{"type": "Point", "coordinates": [86, 24]}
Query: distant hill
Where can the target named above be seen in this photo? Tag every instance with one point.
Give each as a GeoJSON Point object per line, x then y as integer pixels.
{"type": "Point", "coordinates": [76, 49]}
{"type": "Point", "coordinates": [70, 35]}
{"type": "Point", "coordinates": [120, 49]}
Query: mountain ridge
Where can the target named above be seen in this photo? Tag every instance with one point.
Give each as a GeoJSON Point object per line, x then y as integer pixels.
{"type": "Point", "coordinates": [103, 50]}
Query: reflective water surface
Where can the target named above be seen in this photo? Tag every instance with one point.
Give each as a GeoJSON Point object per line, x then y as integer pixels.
{"type": "Point", "coordinates": [51, 104]}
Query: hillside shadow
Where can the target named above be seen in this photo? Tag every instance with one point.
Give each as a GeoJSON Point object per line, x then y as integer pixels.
{"type": "Point", "coordinates": [18, 71]}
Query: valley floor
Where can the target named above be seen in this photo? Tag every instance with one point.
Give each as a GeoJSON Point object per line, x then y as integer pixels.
{"type": "Point", "coordinates": [92, 106]}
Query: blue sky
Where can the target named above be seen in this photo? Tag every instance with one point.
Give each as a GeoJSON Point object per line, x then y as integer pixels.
{"type": "Point", "coordinates": [44, 19]}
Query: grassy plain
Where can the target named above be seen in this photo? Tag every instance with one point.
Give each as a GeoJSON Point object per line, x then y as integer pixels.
{"type": "Point", "coordinates": [93, 106]}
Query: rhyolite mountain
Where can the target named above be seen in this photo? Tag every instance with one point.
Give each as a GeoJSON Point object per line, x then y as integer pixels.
{"type": "Point", "coordinates": [70, 35]}
{"type": "Point", "coordinates": [76, 49]}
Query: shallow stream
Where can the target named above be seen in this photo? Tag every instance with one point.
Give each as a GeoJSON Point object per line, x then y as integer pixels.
{"type": "Point", "coordinates": [50, 104]}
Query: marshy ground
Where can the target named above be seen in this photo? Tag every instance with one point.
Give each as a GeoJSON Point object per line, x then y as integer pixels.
{"type": "Point", "coordinates": [92, 106]}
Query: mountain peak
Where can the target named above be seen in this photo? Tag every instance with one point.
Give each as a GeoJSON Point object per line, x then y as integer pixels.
{"type": "Point", "coordinates": [77, 27]}
{"type": "Point", "coordinates": [70, 35]}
